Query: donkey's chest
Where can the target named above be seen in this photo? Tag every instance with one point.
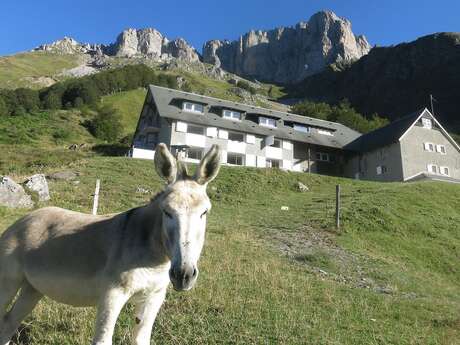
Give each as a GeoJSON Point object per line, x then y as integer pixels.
{"type": "Point", "coordinates": [145, 279]}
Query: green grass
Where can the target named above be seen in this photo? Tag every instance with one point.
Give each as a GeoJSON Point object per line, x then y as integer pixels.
{"type": "Point", "coordinates": [129, 104]}
{"type": "Point", "coordinates": [16, 69]}
{"type": "Point", "coordinates": [250, 293]}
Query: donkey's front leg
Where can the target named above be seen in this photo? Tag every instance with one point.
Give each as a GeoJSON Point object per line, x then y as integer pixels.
{"type": "Point", "coordinates": [108, 309]}
{"type": "Point", "coordinates": [146, 311]}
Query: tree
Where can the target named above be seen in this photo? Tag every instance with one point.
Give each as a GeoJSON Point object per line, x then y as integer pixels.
{"type": "Point", "coordinates": [3, 108]}
{"type": "Point", "coordinates": [311, 109]}
{"type": "Point", "coordinates": [106, 125]}
{"type": "Point", "coordinates": [29, 99]}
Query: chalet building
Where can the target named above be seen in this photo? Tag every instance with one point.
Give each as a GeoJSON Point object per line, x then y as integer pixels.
{"type": "Point", "coordinates": [413, 147]}
{"type": "Point", "coordinates": [251, 136]}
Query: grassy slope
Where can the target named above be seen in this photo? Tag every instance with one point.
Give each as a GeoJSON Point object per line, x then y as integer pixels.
{"type": "Point", "coordinates": [13, 69]}
{"type": "Point", "coordinates": [248, 293]}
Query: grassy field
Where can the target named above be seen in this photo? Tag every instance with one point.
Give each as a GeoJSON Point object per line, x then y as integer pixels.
{"type": "Point", "coordinates": [19, 70]}
{"type": "Point", "coordinates": [402, 239]}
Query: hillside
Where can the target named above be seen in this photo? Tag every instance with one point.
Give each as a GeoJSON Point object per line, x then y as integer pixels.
{"type": "Point", "coordinates": [395, 81]}
{"type": "Point", "coordinates": [286, 277]}
{"type": "Point", "coordinates": [34, 69]}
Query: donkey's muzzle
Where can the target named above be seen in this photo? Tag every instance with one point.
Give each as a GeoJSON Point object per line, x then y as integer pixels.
{"type": "Point", "coordinates": [183, 279]}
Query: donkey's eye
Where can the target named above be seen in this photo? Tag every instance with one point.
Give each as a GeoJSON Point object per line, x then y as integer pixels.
{"type": "Point", "coordinates": [204, 213]}
{"type": "Point", "coordinates": [167, 214]}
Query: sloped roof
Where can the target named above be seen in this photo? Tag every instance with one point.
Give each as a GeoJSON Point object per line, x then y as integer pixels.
{"type": "Point", "coordinates": [385, 135]}
{"type": "Point", "coordinates": [168, 105]}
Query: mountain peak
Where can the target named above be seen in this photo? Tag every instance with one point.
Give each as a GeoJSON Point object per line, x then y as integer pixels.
{"type": "Point", "coordinates": [287, 55]}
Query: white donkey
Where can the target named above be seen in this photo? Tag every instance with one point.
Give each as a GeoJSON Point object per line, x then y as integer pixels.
{"type": "Point", "coordinates": [86, 260]}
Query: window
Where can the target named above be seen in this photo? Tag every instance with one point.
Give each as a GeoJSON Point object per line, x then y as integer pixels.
{"type": "Point", "coordinates": [195, 153]}
{"type": "Point", "coordinates": [266, 121]}
{"type": "Point", "coordinates": [234, 136]}
{"type": "Point", "coordinates": [441, 149]}
{"type": "Point", "coordinates": [444, 171]}
{"type": "Point", "coordinates": [301, 128]}
{"type": "Point", "coordinates": [432, 168]}
{"type": "Point", "coordinates": [381, 169]}
{"type": "Point", "coordinates": [325, 132]}
{"type": "Point", "coordinates": [193, 107]}
{"type": "Point", "coordinates": [322, 157]}
{"type": "Point", "coordinates": [429, 147]}
{"type": "Point", "coordinates": [232, 115]}
{"type": "Point", "coordinates": [195, 129]}
{"type": "Point", "coordinates": [235, 159]}
{"type": "Point", "coordinates": [273, 163]}
{"type": "Point", "coordinates": [276, 143]}
{"type": "Point", "coordinates": [426, 123]}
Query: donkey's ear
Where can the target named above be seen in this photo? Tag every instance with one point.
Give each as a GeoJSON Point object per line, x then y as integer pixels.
{"type": "Point", "coordinates": [209, 166]}
{"type": "Point", "coordinates": [165, 163]}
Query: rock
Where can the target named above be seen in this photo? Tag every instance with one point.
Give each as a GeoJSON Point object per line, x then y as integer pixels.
{"type": "Point", "coordinates": [284, 208]}
{"type": "Point", "coordinates": [152, 44]}
{"type": "Point", "coordinates": [63, 175]}
{"type": "Point", "coordinates": [13, 195]}
{"type": "Point", "coordinates": [288, 55]}
{"type": "Point", "coordinates": [301, 187]}
{"type": "Point", "coordinates": [38, 184]}
{"type": "Point", "coordinates": [142, 190]}
{"type": "Point", "coordinates": [242, 93]}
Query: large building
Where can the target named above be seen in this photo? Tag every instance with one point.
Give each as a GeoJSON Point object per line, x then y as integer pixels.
{"type": "Point", "coordinates": [251, 136]}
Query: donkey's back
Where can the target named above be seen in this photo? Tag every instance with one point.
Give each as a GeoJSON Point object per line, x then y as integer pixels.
{"type": "Point", "coordinates": [60, 253]}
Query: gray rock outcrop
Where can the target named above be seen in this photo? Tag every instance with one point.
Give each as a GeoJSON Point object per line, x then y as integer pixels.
{"type": "Point", "coordinates": [287, 55]}
{"type": "Point", "coordinates": [151, 43]}
{"type": "Point", "coordinates": [13, 195]}
{"type": "Point", "coordinates": [37, 183]}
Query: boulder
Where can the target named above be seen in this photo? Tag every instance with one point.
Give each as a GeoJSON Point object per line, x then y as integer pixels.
{"type": "Point", "coordinates": [63, 175]}
{"type": "Point", "coordinates": [13, 195]}
{"type": "Point", "coordinates": [37, 183]}
{"type": "Point", "coordinates": [301, 187]}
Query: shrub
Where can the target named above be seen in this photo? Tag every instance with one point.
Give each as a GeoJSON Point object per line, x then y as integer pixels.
{"type": "Point", "coordinates": [106, 125]}
{"type": "Point", "coordinates": [246, 86]}
{"type": "Point", "coordinates": [343, 113]}
{"type": "Point", "coordinates": [3, 107]}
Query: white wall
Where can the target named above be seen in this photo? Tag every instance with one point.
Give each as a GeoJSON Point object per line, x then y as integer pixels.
{"type": "Point", "coordinates": [143, 154]}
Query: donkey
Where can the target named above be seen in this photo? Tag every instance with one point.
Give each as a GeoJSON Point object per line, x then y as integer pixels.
{"type": "Point", "coordinates": [105, 261]}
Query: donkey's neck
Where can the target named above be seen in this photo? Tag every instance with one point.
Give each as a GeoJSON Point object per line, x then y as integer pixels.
{"type": "Point", "coordinates": [145, 225]}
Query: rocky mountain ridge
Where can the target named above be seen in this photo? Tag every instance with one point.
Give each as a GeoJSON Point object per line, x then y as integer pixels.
{"type": "Point", "coordinates": [287, 55]}
{"type": "Point", "coordinates": [283, 55]}
{"type": "Point", "coordinates": [148, 43]}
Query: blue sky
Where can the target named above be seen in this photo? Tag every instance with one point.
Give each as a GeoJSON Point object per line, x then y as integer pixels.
{"type": "Point", "coordinates": [25, 24]}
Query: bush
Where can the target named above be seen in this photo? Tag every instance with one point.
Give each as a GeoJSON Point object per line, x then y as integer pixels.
{"type": "Point", "coordinates": [246, 86]}
{"type": "Point", "coordinates": [342, 113]}
{"type": "Point", "coordinates": [3, 107]}
{"type": "Point", "coordinates": [106, 125]}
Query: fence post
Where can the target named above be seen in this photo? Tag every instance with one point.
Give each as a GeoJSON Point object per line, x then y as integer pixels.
{"type": "Point", "coordinates": [96, 196]}
{"type": "Point", "coordinates": [337, 206]}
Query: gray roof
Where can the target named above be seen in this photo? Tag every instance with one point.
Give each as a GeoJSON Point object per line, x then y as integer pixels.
{"type": "Point", "coordinates": [385, 135]}
{"type": "Point", "coordinates": [169, 105]}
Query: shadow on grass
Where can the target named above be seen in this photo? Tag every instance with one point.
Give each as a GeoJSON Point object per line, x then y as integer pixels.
{"type": "Point", "coordinates": [114, 149]}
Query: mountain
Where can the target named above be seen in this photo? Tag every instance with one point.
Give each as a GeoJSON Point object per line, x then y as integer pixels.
{"type": "Point", "coordinates": [395, 81]}
{"type": "Point", "coordinates": [287, 55]}
{"type": "Point", "coordinates": [130, 43]}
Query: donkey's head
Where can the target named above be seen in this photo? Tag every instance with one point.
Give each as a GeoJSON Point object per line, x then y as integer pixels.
{"type": "Point", "coordinates": [184, 208]}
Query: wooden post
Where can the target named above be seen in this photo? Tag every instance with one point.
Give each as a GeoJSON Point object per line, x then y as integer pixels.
{"type": "Point", "coordinates": [337, 206]}
{"type": "Point", "coordinates": [96, 196]}
{"type": "Point", "coordinates": [309, 159]}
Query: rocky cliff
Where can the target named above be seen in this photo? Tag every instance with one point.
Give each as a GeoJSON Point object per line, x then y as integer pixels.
{"type": "Point", "coordinates": [395, 81]}
{"type": "Point", "coordinates": [288, 55]}
{"type": "Point", "coordinates": [148, 43]}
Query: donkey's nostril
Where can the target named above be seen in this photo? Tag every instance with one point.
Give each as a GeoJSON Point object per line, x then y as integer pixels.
{"type": "Point", "coordinates": [195, 272]}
